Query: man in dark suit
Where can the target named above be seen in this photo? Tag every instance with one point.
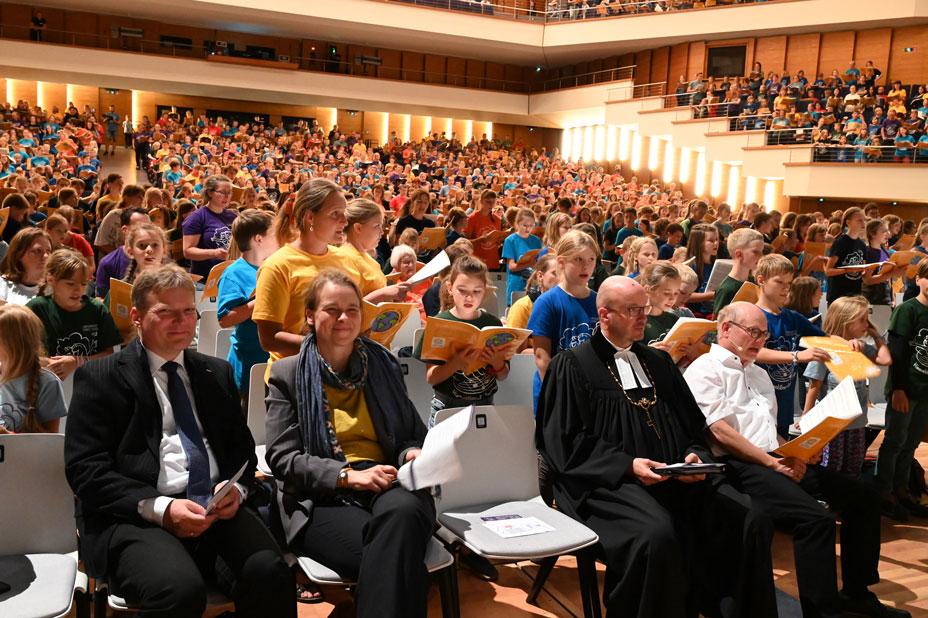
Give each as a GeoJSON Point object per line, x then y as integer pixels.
{"type": "Point", "coordinates": [153, 432]}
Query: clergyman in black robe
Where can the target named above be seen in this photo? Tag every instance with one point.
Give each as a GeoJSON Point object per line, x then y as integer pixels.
{"type": "Point", "coordinates": [672, 547]}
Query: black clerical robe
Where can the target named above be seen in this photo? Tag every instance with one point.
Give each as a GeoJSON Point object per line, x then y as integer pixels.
{"type": "Point", "coordinates": [671, 549]}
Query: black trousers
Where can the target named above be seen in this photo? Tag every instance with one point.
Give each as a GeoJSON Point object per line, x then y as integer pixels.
{"type": "Point", "coordinates": [676, 550]}
{"type": "Point", "coordinates": [795, 508]}
{"type": "Point", "coordinates": [380, 543]}
{"type": "Point", "coordinates": [162, 575]}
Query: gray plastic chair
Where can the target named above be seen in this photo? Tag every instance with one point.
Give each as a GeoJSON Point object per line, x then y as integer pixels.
{"type": "Point", "coordinates": [206, 335]}
{"type": "Point", "coordinates": [223, 343]}
{"type": "Point", "coordinates": [419, 391]}
{"type": "Point", "coordinates": [257, 415]}
{"type": "Point", "coordinates": [38, 549]}
{"type": "Point", "coordinates": [501, 438]}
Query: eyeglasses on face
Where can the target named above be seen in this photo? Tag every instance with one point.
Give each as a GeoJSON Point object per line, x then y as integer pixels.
{"type": "Point", "coordinates": [754, 333]}
{"type": "Point", "coordinates": [631, 311]}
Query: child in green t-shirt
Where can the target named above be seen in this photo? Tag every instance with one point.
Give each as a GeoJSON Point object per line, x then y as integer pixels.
{"type": "Point", "coordinates": [745, 246]}
{"type": "Point", "coordinates": [464, 291]}
{"type": "Point", "coordinates": [907, 406]}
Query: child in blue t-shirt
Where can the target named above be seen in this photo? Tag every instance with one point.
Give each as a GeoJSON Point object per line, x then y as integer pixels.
{"type": "Point", "coordinates": [251, 233]}
{"type": "Point", "coordinates": [781, 356]}
{"type": "Point", "coordinates": [565, 316]}
{"type": "Point", "coordinates": [514, 247]}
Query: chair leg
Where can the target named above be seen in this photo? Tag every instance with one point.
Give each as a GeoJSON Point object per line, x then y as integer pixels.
{"type": "Point", "coordinates": [99, 601]}
{"type": "Point", "coordinates": [82, 604]}
{"type": "Point", "coordinates": [448, 589]}
{"type": "Point", "coordinates": [544, 570]}
{"type": "Point", "coordinates": [589, 586]}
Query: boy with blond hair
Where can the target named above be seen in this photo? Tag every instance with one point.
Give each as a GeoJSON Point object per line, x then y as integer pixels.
{"type": "Point", "coordinates": [745, 246]}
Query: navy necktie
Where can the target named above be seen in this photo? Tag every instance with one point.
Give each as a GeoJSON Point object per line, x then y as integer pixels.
{"type": "Point", "coordinates": [199, 484]}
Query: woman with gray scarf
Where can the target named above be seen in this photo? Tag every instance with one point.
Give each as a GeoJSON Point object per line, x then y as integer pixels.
{"type": "Point", "coordinates": [339, 424]}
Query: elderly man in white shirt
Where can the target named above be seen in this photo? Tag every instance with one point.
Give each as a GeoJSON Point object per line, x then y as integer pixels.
{"type": "Point", "coordinates": [738, 401]}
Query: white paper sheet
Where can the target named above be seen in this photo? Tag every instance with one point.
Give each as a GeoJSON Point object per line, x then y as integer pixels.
{"type": "Point", "coordinates": [509, 526]}
{"type": "Point", "coordinates": [439, 461]}
{"type": "Point", "coordinates": [720, 270]}
{"type": "Point", "coordinates": [437, 264]}
{"type": "Point", "coordinates": [841, 403]}
{"type": "Point", "coordinates": [225, 489]}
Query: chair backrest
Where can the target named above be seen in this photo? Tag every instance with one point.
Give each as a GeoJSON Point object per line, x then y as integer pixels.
{"type": "Point", "coordinates": [419, 391]}
{"type": "Point", "coordinates": [497, 452]}
{"type": "Point", "coordinates": [257, 409]}
{"type": "Point", "coordinates": [67, 386]}
{"type": "Point", "coordinates": [517, 387]}
{"type": "Point", "coordinates": [516, 296]}
{"type": "Point", "coordinates": [36, 503]}
{"type": "Point", "coordinates": [206, 337]}
{"type": "Point", "coordinates": [417, 338]}
{"type": "Point", "coordinates": [405, 336]}
{"type": "Point", "coordinates": [223, 342]}
{"type": "Point", "coordinates": [879, 315]}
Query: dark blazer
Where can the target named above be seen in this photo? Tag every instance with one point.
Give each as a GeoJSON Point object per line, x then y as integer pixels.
{"type": "Point", "coordinates": [113, 437]}
{"type": "Point", "coordinates": [302, 477]}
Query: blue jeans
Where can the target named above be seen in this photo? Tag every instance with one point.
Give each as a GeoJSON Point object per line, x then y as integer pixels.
{"type": "Point", "coordinates": [902, 436]}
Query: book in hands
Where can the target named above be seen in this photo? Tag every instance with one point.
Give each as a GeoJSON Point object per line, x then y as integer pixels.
{"type": "Point", "coordinates": [720, 270]}
{"type": "Point", "coordinates": [225, 489]}
{"type": "Point", "coordinates": [384, 320]}
{"type": "Point", "coordinates": [444, 339]}
{"type": "Point", "coordinates": [497, 237]}
{"type": "Point", "coordinates": [748, 293]}
{"type": "Point", "coordinates": [907, 241]}
{"type": "Point", "coordinates": [689, 469]}
{"type": "Point", "coordinates": [120, 304]}
{"type": "Point", "coordinates": [4, 217]}
{"type": "Point", "coordinates": [211, 287]}
{"type": "Point", "coordinates": [435, 266]}
{"type": "Point", "coordinates": [903, 259]}
{"type": "Point", "coordinates": [845, 362]}
{"type": "Point", "coordinates": [528, 258]}
{"type": "Point", "coordinates": [432, 238]}
{"type": "Point", "coordinates": [692, 332]}
{"type": "Point", "coordinates": [822, 424]}
{"type": "Point", "coordinates": [815, 249]}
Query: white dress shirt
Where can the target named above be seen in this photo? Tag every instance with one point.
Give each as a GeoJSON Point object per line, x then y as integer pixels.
{"type": "Point", "coordinates": [173, 473]}
{"type": "Point", "coordinates": [742, 396]}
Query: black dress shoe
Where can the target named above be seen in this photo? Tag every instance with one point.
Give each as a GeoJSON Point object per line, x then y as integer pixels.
{"type": "Point", "coordinates": [913, 506]}
{"type": "Point", "coordinates": [869, 605]}
{"type": "Point", "coordinates": [894, 510]}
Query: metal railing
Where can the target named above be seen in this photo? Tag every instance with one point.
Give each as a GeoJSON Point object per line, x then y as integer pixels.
{"type": "Point", "coordinates": [854, 153]}
{"type": "Point", "coordinates": [560, 11]}
{"type": "Point", "coordinates": [322, 64]}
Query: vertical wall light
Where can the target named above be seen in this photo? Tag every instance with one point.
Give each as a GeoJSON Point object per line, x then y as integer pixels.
{"type": "Point", "coordinates": [715, 184]}
{"type": "Point", "coordinates": [750, 189]}
{"type": "Point", "coordinates": [734, 184]}
{"type": "Point", "coordinates": [699, 186]}
{"type": "Point", "coordinates": [576, 146]}
{"type": "Point", "coordinates": [770, 195]}
{"type": "Point", "coordinates": [668, 162]}
{"type": "Point", "coordinates": [599, 143]}
{"type": "Point", "coordinates": [489, 130]}
{"type": "Point", "coordinates": [686, 160]}
{"type": "Point", "coordinates": [624, 143]}
{"type": "Point", "coordinates": [468, 131]}
{"type": "Point", "coordinates": [654, 153]}
{"type": "Point", "coordinates": [612, 143]}
{"type": "Point", "coordinates": [9, 92]}
{"type": "Point", "coordinates": [426, 127]}
{"type": "Point", "coordinates": [636, 152]}
{"type": "Point", "coordinates": [406, 127]}
{"type": "Point", "coordinates": [587, 144]}
{"type": "Point", "coordinates": [566, 143]}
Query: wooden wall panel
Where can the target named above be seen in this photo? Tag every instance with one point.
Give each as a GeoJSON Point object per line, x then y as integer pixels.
{"type": "Point", "coordinates": [495, 76]}
{"type": "Point", "coordinates": [85, 95]}
{"type": "Point", "coordinates": [837, 49]}
{"type": "Point", "coordinates": [121, 100]}
{"type": "Point", "coordinates": [908, 67]}
{"type": "Point", "coordinates": [391, 63]}
{"type": "Point", "coordinates": [802, 54]}
{"type": "Point", "coordinates": [643, 70]}
{"type": "Point", "coordinates": [476, 70]}
{"type": "Point", "coordinates": [770, 51]}
{"type": "Point", "coordinates": [873, 45]}
{"type": "Point", "coordinates": [21, 89]}
{"type": "Point", "coordinates": [457, 72]}
{"type": "Point", "coordinates": [434, 69]}
{"type": "Point", "coordinates": [413, 64]}
{"type": "Point", "coordinates": [660, 61]}
{"type": "Point", "coordinates": [348, 123]}
{"type": "Point", "coordinates": [696, 62]}
{"type": "Point", "coordinates": [679, 55]}
{"type": "Point", "coordinates": [148, 102]}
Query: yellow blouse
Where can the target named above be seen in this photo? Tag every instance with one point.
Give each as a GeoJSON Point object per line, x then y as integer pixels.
{"type": "Point", "coordinates": [353, 424]}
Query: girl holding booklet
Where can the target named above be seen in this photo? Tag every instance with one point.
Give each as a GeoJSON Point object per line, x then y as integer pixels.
{"type": "Point", "coordinates": [466, 286]}
{"type": "Point", "coordinates": [517, 244]}
{"type": "Point", "coordinates": [701, 248]}
{"type": "Point", "coordinates": [876, 288]}
{"type": "Point", "coordinates": [849, 318]}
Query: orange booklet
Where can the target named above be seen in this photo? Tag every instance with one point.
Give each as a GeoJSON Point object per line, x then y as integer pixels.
{"type": "Point", "coordinates": [384, 320]}
{"type": "Point", "coordinates": [815, 248]}
{"type": "Point", "coordinates": [845, 362]}
{"type": "Point", "coordinates": [432, 238]}
{"type": "Point", "coordinates": [691, 332]}
{"type": "Point", "coordinates": [443, 339]}
{"type": "Point", "coordinates": [211, 288]}
{"type": "Point", "coordinates": [748, 292]}
{"type": "Point", "coordinates": [905, 258]}
{"type": "Point", "coordinates": [528, 258]}
{"type": "Point", "coordinates": [824, 422]}
{"type": "Point", "coordinates": [497, 237]}
{"type": "Point", "coordinates": [908, 240]}
{"type": "Point", "coordinates": [120, 303]}
{"type": "Point", "coordinates": [4, 217]}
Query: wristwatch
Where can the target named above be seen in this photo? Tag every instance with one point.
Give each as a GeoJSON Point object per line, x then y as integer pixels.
{"type": "Point", "coordinates": [342, 482]}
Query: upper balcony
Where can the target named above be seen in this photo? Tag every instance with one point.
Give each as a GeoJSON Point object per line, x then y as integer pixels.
{"type": "Point", "coordinates": [533, 38]}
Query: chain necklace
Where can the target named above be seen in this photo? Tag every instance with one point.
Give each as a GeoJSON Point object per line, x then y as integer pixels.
{"type": "Point", "coordinates": [645, 403]}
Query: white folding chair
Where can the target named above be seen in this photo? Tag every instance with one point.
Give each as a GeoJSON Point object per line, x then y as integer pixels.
{"type": "Point", "coordinates": [206, 336]}
{"type": "Point", "coordinates": [437, 560]}
{"type": "Point", "coordinates": [516, 389]}
{"type": "Point", "coordinates": [419, 391]}
{"type": "Point", "coordinates": [38, 548]}
{"type": "Point", "coordinates": [257, 414]}
{"type": "Point", "coordinates": [67, 386]}
{"type": "Point", "coordinates": [405, 336]}
{"type": "Point", "coordinates": [501, 438]}
{"type": "Point", "coordinates": [223, 342]}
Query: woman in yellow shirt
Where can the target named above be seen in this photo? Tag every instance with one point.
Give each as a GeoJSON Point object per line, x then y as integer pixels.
{"type": "Point", "coordinates": [319, 214]}
{"type": "Point", "coordinates": [365, 228]}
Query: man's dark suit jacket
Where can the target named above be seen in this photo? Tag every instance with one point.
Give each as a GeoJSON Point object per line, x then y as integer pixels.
{"type": "Point", "coordinates": [113, 439]}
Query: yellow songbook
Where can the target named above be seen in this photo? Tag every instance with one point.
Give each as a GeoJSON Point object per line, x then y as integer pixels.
{"type": "Point", "coordinates": [528, 258]}
{"type": "Point", "coordinates": [443, 339]}
{"type": "Point", "coordinates": [815, 248]}
{"type": "Point", "coordinates": [692, 332]}
{"type": "Point", "coordinates": [498, 236]}
{"type": "Point", "coordinates": [912, 270]}
{"type": "Point", "coordinates": [4, 217]}
{"type": "Point", "coordinates": [211, 288]}
{"type": "Point", "coordinates": [905, 258]}
{"type": "Point", "coordinates": [824, 422]}
{"type": "Point", "coordinates": [748, 292]}
{"type": "Point", "coordinates": [384, 320]}
{"type": "Point", "coordinates": [120, 303]}
{"type": "Point", "coordinates": [432, 238]}
{"type": "Point", "coordinates": [907, 241]}
{"type": "Point", "coordinates": [845, 362]}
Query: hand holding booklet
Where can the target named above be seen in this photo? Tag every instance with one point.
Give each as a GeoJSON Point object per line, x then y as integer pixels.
{"type": "Point", "coordinates": [689, 469]}
{"type": "Point", "coordinates": [225, 489]}
{"type": "Point", "coordinates": [844, 361]}
{"type": "Point", "coordinates": [824, 422]}
{"type": "Point", "coordinates": [444, 339]}
{"type": "Point", "coordinates": [689, 332]}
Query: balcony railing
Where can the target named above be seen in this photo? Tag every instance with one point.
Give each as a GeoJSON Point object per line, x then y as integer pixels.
{"type": "Point", "coordinates": [357, 68]}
